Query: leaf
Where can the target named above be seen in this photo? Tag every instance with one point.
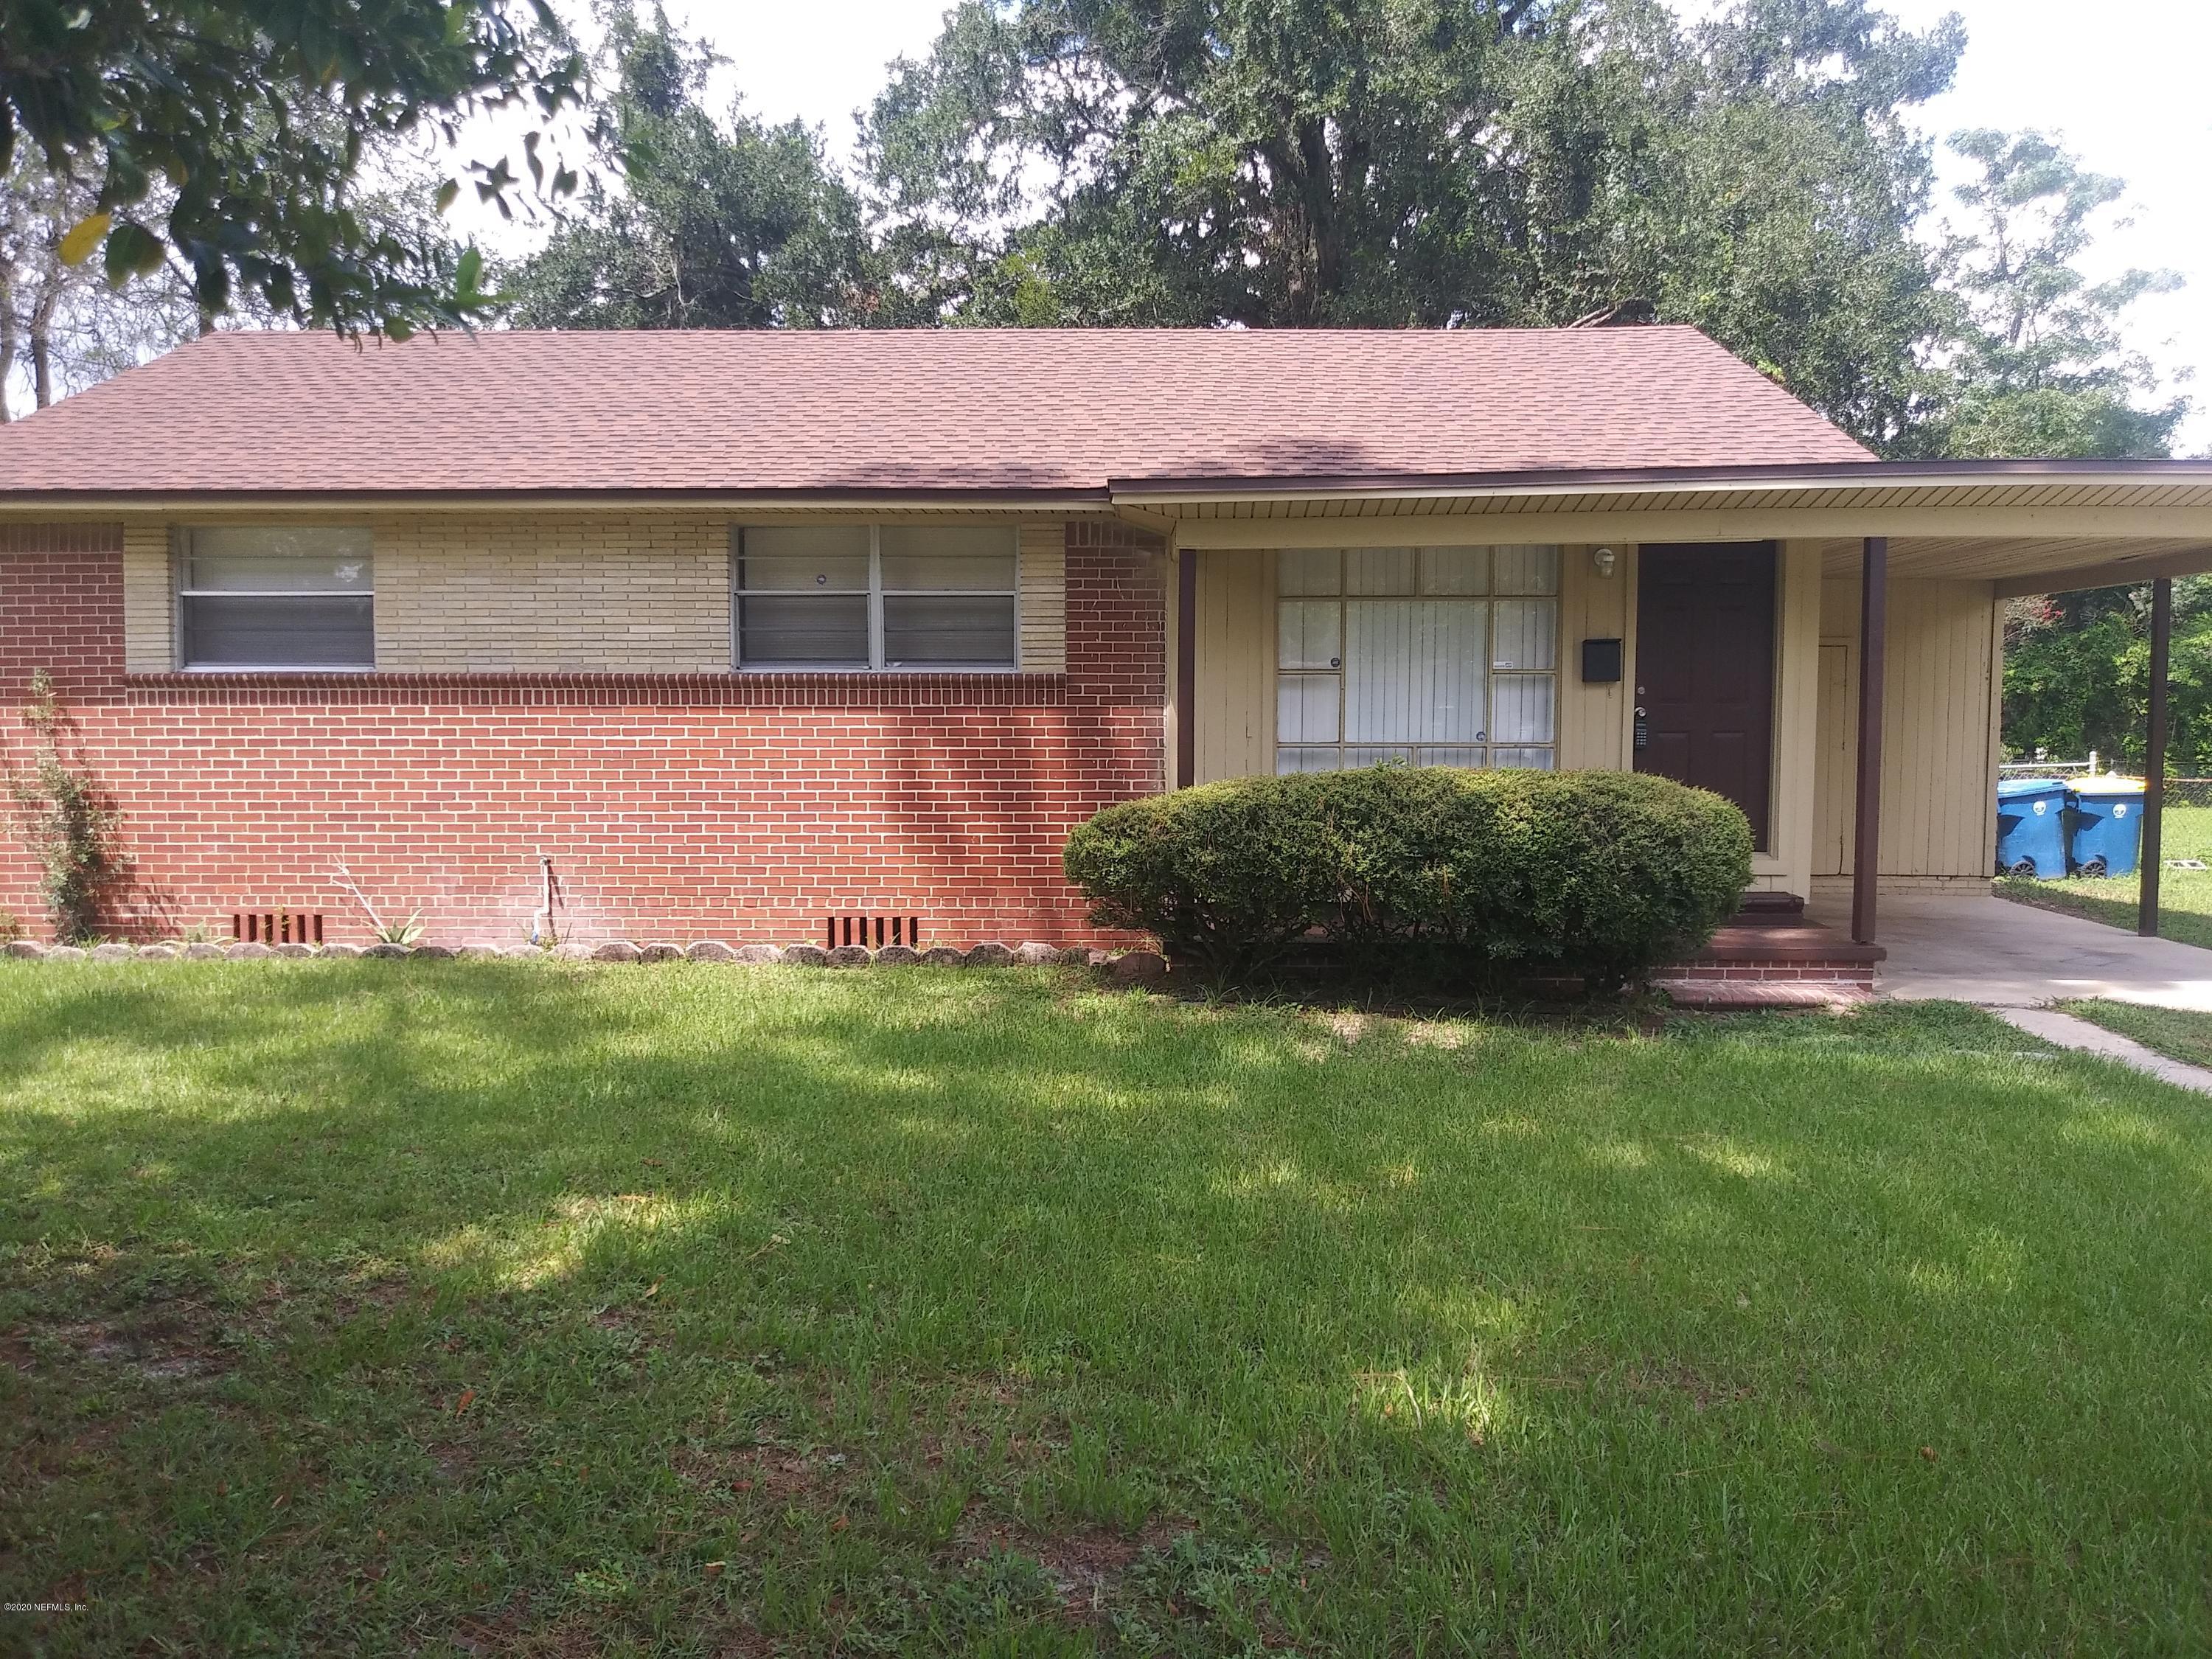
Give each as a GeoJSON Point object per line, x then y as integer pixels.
{"type": "Point", "coordinates": [468, 1398]}
{"type": "Point", "coordinates": [84, 236]}
{"type": "Point", "coordinates": [132, 251]}
{"type": "Point", "coordinates": [469, 271]}
{"type": "Point", "coordinates": [447, 192]}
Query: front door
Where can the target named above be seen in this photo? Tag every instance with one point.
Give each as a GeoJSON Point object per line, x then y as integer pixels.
{"type": "Point", "coordinates": [1704, 671]}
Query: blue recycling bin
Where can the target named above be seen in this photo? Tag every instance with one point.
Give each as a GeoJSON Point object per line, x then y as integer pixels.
{"type": "Point", "coordinates": [2103, 818]}
{"type": "Point", "coordinates": [2032, 828]}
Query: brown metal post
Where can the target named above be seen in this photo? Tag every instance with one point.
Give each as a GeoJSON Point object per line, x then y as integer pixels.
{"type": "Point", "coordinates": [1186, 668]}
{"type": "Point", "coordinates": [2153, 801]}
{"type": "Point", "coordinates": [1874, 635]}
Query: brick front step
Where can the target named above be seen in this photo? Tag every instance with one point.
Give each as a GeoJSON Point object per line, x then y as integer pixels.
{"type": "Point", "coordinates": [1842, 973]}
{"type": "Point", "coordinates": [1744, 995]}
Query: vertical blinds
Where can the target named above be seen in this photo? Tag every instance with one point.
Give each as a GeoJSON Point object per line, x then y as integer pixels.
{"type": "Point", "coordinates": [1445, 656]}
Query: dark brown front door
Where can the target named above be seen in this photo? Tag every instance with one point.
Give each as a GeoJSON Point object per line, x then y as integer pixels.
{"type": "Point", "coordinates": [1704, 670]}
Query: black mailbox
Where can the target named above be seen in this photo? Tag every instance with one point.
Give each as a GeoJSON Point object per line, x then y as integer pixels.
{"type": "Point", "coordinates": [1600, 662]}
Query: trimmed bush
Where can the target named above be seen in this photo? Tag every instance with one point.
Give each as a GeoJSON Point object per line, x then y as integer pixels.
{"type": "Point", "coordinates": [1600, 875]}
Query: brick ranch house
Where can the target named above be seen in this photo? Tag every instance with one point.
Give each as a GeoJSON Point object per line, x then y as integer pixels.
{"type": "Point", "coordinates": [753, 635]}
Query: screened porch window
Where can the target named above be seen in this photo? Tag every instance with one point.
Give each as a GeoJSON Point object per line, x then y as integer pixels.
{"type": "Point", "coordinates": [1437, 656]}
{"type": "Point", "coordinates": [930, 596]}
{"type": "Point", "coordinates": [278, 596]}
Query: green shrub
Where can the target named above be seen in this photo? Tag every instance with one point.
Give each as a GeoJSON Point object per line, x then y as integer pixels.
{"type": "Point", "coordinates": [1600, 875]}
{"type": "Point", "coordinates": [1225, 876]}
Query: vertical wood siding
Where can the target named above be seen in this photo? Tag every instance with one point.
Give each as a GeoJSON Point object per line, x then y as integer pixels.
{"type": "Point", "coordinates": [1234, 691]}
{"type": "Point", "coordinates": [1594, 719]}
{"type": "Point", "coordinates": [1940, 749]}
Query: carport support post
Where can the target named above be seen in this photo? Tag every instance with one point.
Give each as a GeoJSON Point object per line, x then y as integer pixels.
{"type": "Point", "coordinates": [1874, 637]}
{"type": "Point", "coordinates": [1185, 755]}
{"type": "Point", "coordinates": [2153, 803]}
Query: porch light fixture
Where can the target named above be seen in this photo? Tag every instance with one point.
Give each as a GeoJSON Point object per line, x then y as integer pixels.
{"type": "Point", "coordinates": [1604, 560]}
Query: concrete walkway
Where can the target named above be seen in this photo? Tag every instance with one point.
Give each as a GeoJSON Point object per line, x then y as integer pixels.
{"type": "Point", "coordinates": [1972, 948]}
{"type": "Point", "coordinates": [2071, 1031]}
{"type": "Point", "coordinates": [2015, 960]}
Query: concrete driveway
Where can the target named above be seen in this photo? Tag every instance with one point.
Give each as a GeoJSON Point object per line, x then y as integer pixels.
{"type": "Point", "coordinates": [1969, 948]}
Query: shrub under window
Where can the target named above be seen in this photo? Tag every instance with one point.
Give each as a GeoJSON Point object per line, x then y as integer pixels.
{"type": "Point", "coordinates": [1599, 875]}
{"type": "Point", "coordinates": [283, 595]}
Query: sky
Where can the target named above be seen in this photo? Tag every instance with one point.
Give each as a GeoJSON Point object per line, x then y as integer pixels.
{"type": "Point", "coordinates": [2121, 82]}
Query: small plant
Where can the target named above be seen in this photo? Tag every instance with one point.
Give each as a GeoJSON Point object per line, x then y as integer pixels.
{"type": "Point", "coordinates": [65, 820]}
{"type": "Point", "coordinates": [386, 933]}
{"type": "Point", "coordinates": [11, 927]}
{"type": "Point", "coordinates": [197, 932]}
{"type": "Point", "coordinates": [401, 933]}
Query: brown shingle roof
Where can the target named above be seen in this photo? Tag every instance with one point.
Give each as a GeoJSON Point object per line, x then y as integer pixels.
{"type": "Point", "coordinates": [946, 410]}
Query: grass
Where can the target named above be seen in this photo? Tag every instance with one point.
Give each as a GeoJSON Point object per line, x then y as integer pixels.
{"type": "Point", "coordinates": [468, 1306]}
{"type": "Point", "coordinates": [2178, 1033]}
{"type": "Point", "coordinates": [2185, 896]}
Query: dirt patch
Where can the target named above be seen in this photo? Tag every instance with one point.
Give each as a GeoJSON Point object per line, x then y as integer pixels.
{"type": "Point", "coordinates": [1086, 1566]}
{"type": "Point", "coordinates": [767, 1471]}
{"type": "Point", "coordinates": [177, 1345]}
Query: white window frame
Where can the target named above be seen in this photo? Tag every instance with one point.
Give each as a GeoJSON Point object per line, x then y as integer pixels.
{"type": "Point", "coordinates": [1491, 597]}
{"type": "Point", "coordinates": [876, 596]}
{"type": "Point", "coordinates": [181, 565]}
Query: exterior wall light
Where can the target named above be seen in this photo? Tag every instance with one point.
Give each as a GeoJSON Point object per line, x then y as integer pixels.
{"type": "Point", "coordinates": [1604, 559]}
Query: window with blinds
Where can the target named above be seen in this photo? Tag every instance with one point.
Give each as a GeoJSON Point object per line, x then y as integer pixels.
{"type": "Point", "coordinates": [1437, 656]}
{"type": "Point", "coordinates": [275, 596]}
{"type": "Point", "coordinates": [856, 597]}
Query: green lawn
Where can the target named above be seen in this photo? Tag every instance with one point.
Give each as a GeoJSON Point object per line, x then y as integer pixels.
{"type": "Point", "coordinates": [501, 1307]}
{"type": "Point", "coordinates": [2185, 896]}
{"type": "Point", "coordinates": [2178, 1033]}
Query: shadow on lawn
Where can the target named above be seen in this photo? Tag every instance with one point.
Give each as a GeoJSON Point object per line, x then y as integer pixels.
{"type": "Point", "coordinates": [1382, 1284]}
{"type": "Point", "coordinates": [982, 1168]}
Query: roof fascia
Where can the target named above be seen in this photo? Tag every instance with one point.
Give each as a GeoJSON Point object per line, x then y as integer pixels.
{"type": "Point", "coordinates": [1166, 494]}
{"type": "Point", "coordinates": [82, 503]}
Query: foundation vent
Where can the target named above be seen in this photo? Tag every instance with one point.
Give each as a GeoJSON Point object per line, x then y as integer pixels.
{"type": "Point", "coordinates": [875, 931]}
{"type": "Point", "coordinates": [277, 926]}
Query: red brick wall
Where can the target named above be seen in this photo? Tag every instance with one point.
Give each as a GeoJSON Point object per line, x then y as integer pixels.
{"type": "Point", "coordinates": [674, 807]}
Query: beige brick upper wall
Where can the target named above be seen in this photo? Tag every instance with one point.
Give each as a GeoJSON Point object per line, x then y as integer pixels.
{"type": "Point", "coordinates": [643, 595]}
{"type": "Point", "coordinates": [1043, 605]}
{"type": "Point", "coordinates": [642, 592]}
{"type": "Point", "coordinates": [148, 635]}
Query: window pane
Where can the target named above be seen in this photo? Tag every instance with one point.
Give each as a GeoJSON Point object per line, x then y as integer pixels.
{"type": "Point", "coordinates": [280, 559]}
{"type": "Point", "coordinates": [1379, 570]}
{"type": "Point", "coordinates": [1470, 756]}
{"type": "Point", "coordinates": [1307, 635]}
{"type": "Point", "coordinates": [1455, 570]}
{"type": "Point", "coordinates": [1523, 713]}
{"type": "Point", "coordinates": [961, 557]}
{"type": "Point", "coordinates": [1305, 708]}
{"type": "Point", "coordinates": [1527, 569]}
{"type": "Point", "coordinates": [319, 631]}
{"type": "Point", "coordinates": [1527, 634]}
{"type": "Point", "coordinates": [1533, 760]}
{"type": "Point", "coordinates": [1301, 570]}
{"type": "Point", "coordinates": [803, 630]}
{"type": "Point", "coordinates": [944, 630]}
{"type": "Point", "coordinates": [1376, 757]}
{"type": "Point", "coordinates": [1414, 670]}
{"type": "Point", "coordinates": [950, 573]}
{"type": "Point", "coordinates": [1288, 761]}
{"type": "Point", "coordinates": [829, 558]}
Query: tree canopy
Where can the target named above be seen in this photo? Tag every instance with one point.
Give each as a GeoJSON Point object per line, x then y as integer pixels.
{"type": "Point", "coordinates": [1429, 163]}
{"type": "Point", "coordinates": [231, 135]}
{"type": "Point", "coordinates": [714, 225]}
